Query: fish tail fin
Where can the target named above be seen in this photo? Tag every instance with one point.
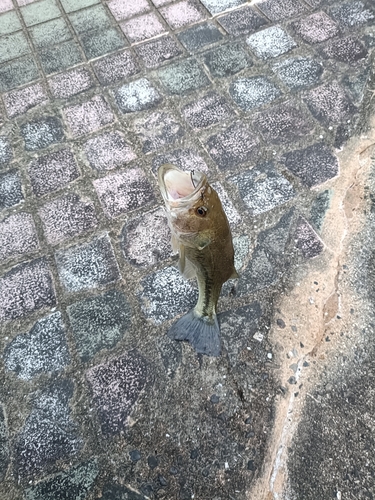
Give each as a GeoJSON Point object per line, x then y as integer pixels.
{"type": "Point", "coordinates": [202, 333]}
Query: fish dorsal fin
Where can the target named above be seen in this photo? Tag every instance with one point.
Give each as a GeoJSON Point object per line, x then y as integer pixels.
{"type": "Point", "coordinates": [185, 266]}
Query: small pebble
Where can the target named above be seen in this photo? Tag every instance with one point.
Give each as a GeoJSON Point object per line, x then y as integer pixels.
{"type": "Point", "coordinates": [280, 323]}
{"type": "Point", "coordinates": [135, 455]}
{"type": "Point", "coordinates": [214, 399]}
{"type": "Point", "coordinates": [152, 461]}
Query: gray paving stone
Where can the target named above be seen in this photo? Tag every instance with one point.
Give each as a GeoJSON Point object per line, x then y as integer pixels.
{"type": "Point", "coordinates": [99, 322]}
{"type": "Point", "coordinates": [16, 73]}
{"type": "Point", "coordinates": [170, 353]}
{"type": "Point", "coordinates": [90, 19]}
{"type": "Point", "coordinates": [187, 159]}
{"type": "Point", "coordinates": [281, 9]}
{"type": "Point", "coordinates": [262, 188]}
{"type": "Point", "coordinates": [13, 46]}
{"type": "Point", "coordinates": [39, 12]}
{"type": "Point", "coordinates": [182, 13]}
{"type": "Point", "coordinates": [60, 57]}
{"type": "Point", "coordinates": [227, 60]}
{"type": "Point", "coordinates": [183, 77]}
{"type": "Point", "coordinates": [9, 22]}
{"type": "Point", "coordinates": [157, 130]}
{"type": "Point", "coordinates": [348, 50]}
{"type": "Point", "coordinates": [49, 433]}
{"type": "Point", "coordinates": [4, 444]}
{"type": "Point", "coordinates": [299, 72]}
{"type": "Point", "coordinates": [158, 51]}
{"type": "Point", "coordinates": [253, 92]}
{"type": "Point", "coordinates": [17, 235]}
{"type": "Point", "coordinates": [352, 14]}
{"type": "Point", "coordinates": [284, 123]}
{"type": "Point", "coordinates": [108, 151]}
{"type": "Point", "coordinates": [18, 102]}
{"type": "Point", "coordinates": [276, 239]}
{"type": "Point", "coordinates": [90, 265]}
{"type": "Point", "coordinates": [73, 5]}
{"type": "Point", "coordinates": [260, 273]}
{"type": "Point", "coordinates": [123, 10]}
{"type": "Point", "coordinates": [270, 42]}
{"type": "Point", "coordinates": [66, 217]}
{"type": "Point", "coordinates": [200, 36]}
{"type": "Point", "coordinates": [143, 27]}
{"type": "Point", "coordinates": [50, 33]}
{"type": "Point", "coordinates": [165, 294]}
{"type": "Point", "coordinates": [10, 189]}
{"type": "Point", "coordinates": [42, 133]}
{"type": "Point", "coordinates": [70, 83]}
{"type": "Point", "coordinates": [52, 171]}
{"type": "Point", "coordinates": [146, 240]}
{"type": "Point", "coordinates": [217, 6]}
{"type": "Point", "coordinates": [319, 208]}
{"type": "Point", "coordinates": [116, 387]}
{"type": "Point", "coordinates": [88, 116]}
{"type": "Point", "coordinates": [307, 240]}
{"type": "Point", "coordinates": [236, 145]}
{"type": "Point", "coordinates": [329, 103]}
{"type": "Point", "coordinates": [26, 288]}
{"type": "Point", "coordinates": [114, 68]}
{"type": "Point", "coordinates": [242, 21]}
{"type": "Point", "coordinates": [6, 153]}
{"type": "Point", "coordinates": [119, 492]}
{"type": "Point", "coordinates": [75, 483]}
{"type": "Point", "coordinates": [41, 350]}
{"type": "Point", "coordinates": [313, 165]}
{"type": "Point", "coordinates": [100, 42]}
{"type": "Point", "coordinates": [315, 28]}
{"type": "Point", "coordinates": [137, 96]}
{"type": "Point", "coordinates": [232, 215]}
{"type": "Point", "coordinates": [207, 111]}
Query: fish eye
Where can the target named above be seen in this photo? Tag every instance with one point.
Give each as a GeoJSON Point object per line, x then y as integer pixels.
{"type": "Point", "coordinates": [201, 211]}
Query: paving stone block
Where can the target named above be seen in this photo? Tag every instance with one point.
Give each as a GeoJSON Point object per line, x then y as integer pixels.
{"type": "Point", "coordinates": [352, 14]}
{"type": "Point", "coordinates": [199, 36]}
{"type": "Point", "coordinates": [108, 151]}
{"type": "Point", "coordinates": [60, 57]}
{"type": "Point", "coordinates": [156, 52]}
{"type": "Point", "coordinates": [207, 110]}
{"type": "Point", "coordinates": [18, 102]}
{"type": "Point", "coordinates": [124, 191]}
{"type": "Point", "coordinates": [70, 83]}
{"type": "Point", "coordinates": [271, 42]}
{"type": "Point", "coordinates": [232, 215]}
{"type": "Point", "coordinates": [313, 165]}
{"type": "Point", "coordinates": [283, 124]}
{"type": "Point", "coordinates": [307, 240]}
{"type": "Point", "coordinates": [90, 265]}
{"type": "Point", "coordinates": [9, 22]}
{"type": "Point", "coordinates": [42, 133]}
{"type": "Point", "coordinates": [276, 10]}
{"type": "Point", "coordinates": [99, 322]}
{"type": "Point", "coordinates": [187, 159]}
{"type": "Point", "coordinates": [182, 13]}
{"type": "Point", "coordinates": [93, 18]}
{"type": "Point", "coordinates": [26, 288]}
{"type": "Point", "coordinates": [217, 6]}
{"type": "Point", "coordinates": [50, 33]}
{"type": "Point", "coordinates": [100, 42]}
{"type": "Point", "coordinates": [117, 491]}
{"type": "Point", "coordinates": [66, 217]}
{"type": "Point", "coordinates": [263, 188]}
{"type": "Point", "coordinates": [183, 77]}
{"type": "Point", "coordinates": [10, 189]}
{"type": "Point", "coordinates": [13, 46]}
{"type": "Point", "coordinates": [348, 50]}
{"type": "Point", "coordinates": [157, 130]}
{"type": "Point", "coordinates": [242, 21]}
{"type": "Point", "coordinates": [75, 483]}
{"type": "Point", "coordinates": [16, 73]}
{"type": "Point", "coordinates": [49, 433]}
{"type": "Point", "coordinates": [137, 96]}
{"type": "Point", "coordinates": [165, 294]}
{"type": "Point", "coordinates": [6, 153]}
{"type": "Point", "coordinates": [319, 208]}
{"type": "Point", "coordinates": [299, 72]}
{"type": "Point", "coordinates": [124, 10]}
{"type": "Point", "coordinates": [6, 5]}
{"type": "Point", "coordinates": [116, 387]}
{"type": "Point", "coordinates": [73, 5]}
{"type": "Point", "coordinates": [251, 93]}
{"type": "Point", "coordinates": [142, 27]}
{"type": "Point", "coordinates": [52, 171]}
{"type": "Point", "coordinates": [116, 67]}
{"type": "Point", "coordinates": [316, 28]}
{"type": "Point", "coordinates": [227, 60]}
{"type": "Point", "coordinates": [39, 12]}
{"type": "Point", "coordinates": [329, 103]}
{"type": "Point", "coordinates": [17, 235]}
{"type": "Point", "coordinates": [41, 350]}
{"type": "Point", "coordinates": [160, 3]}
{"type": "Point", "coordinates": [236, 145]}
{"type": "Point", "coordinates": [88, 116]}
{"type": "Point", "coordinates": [4, 444]}
{"type": "Point", "coordinates": [146, 240]}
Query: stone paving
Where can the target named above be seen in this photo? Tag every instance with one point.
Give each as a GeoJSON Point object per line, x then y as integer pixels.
{"type": "Point", "coordinates": [96, 401]}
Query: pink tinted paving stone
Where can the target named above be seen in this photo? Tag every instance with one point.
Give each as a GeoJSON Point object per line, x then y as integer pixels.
{"type": "Point", "coordinates": [142, 27]}
{"type": "Point", "coordinates": [277, 10]}
{"type": "Point", "coordinates": [137, 96]}
{"type": "Point", "coordinates": [52, 171]}
{"type": "Point", "coordinates": [124, 191]}
{"type": "Point", "coordinates": [352, 14]}
{"type": "Point", "coordinates": [116, 387]}
{"type": "Point", "coordinates": [157, 130]}
{"type": "Point", "coordinates": [90, 265]}
{"type": "Point", "coordinates": [307, 240]}
{"type": "Point", "coordinates": [347, 50]}
{"type": "Point", "coordinates": [187, 159]}
{"type": "Point", "coordinates": [71, 83]}
{"type": "Point", "coordinates": [17, 235]}
{"type": "Point", "coordinates": [26, 288]}
{"type": "Point", "coordinates": [156, 52]}
{"type": "Point", "coordinates": [6, 5]}
{"type": "Point", "coordinates": [114, 68]}
{"type": "Point", "coordinates": [181, 14]}
{"type": "Point", "coordinates": [66, 217]}
{"type": "Point", "coordinates": [10, 189]}
{"type": "Point", "coordinates": [316, 28]}
{"type": "Point", "coordinates": [271, 42]}
{"type": "Point", "coordinates": [18, 102]}
{"type": "Point", "coordinates": [88, 116]}
{"type": "Point", "coordinates": [146, 240]}
{"type": "Point", "coordinates": [108, 151]}
{"type": "Point", "coordinates": [124, 10]}
{"type": "Point", "coordinates": [242, 21]}
{"type": "Point", "coordinates": [208, 110]}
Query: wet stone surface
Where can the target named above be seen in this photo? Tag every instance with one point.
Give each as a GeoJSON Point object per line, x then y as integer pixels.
{"type": "Point", "coordinates": [251, 93]}
{"type": "Point", "coordinates": [89, 116]}
{"type": "Point", "coordinates": [137, 96]}
{"type": "Point", "coordinates": [108, 151]}
{"type": "Point", "coordinates": [18, 102]}
{"type": "Point", "coordinates": [227, 60]}
{"type": "Point", "coordinates": [209, 110]}
{"type": "Point", "coordinates": [42, 133]}
{"type": "Point", "coordinates": [299, 72]}
{"type": "Point", "coordinates": [157, 130]}
{"type": "Point", "coordinates": [242, 21]}
{"type": "Point", "coordinates": [17, 235]}
{"type": "Point", "coordinates": [271, 42]}
{"type": "Point", "coordinates": [183, 77]}
{"type": "Point", "coordinates": [10, 189]}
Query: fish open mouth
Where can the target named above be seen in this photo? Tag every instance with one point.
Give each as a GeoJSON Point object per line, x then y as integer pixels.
{"type": "Point", "coordinates": [177, 185]}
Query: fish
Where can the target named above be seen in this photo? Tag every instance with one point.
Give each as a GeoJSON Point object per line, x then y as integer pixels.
{"type": "Point", "coordinates": [201, 234]}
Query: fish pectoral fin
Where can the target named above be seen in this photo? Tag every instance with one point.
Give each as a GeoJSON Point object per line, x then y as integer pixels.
{"type": "Point", "coordinates": [174, 243]}
{"type": "Point", "coordinates": [189, 271]}
{"type": "Point", "coordinates": [203, 243]}
{"type": "Point", "coordinates": [234, 274]}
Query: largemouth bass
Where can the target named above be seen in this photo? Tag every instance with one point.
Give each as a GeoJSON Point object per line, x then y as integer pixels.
{"type": "Point", "coordinates": [202, 237]}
